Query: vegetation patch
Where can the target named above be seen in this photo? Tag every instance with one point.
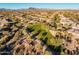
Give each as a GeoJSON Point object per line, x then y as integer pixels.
{"type": "Point", "coordinates": [41, 31]}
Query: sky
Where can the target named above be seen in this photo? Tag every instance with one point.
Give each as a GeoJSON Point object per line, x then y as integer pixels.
{"type": "Point", "coordinates": [40, 5]}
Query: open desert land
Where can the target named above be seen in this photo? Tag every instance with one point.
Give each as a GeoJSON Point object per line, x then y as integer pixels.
{"type": "Point", "coordinates": [36, 31]}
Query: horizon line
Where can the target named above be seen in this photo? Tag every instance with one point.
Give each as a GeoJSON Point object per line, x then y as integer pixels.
{"type": "Point", "coordinates": [41, 8]}
{"type": "Point", "coordinates": [39, 5]}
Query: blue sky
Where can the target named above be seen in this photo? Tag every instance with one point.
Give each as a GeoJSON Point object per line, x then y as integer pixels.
{"type": "Point", "coordinates": [39, 5]}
